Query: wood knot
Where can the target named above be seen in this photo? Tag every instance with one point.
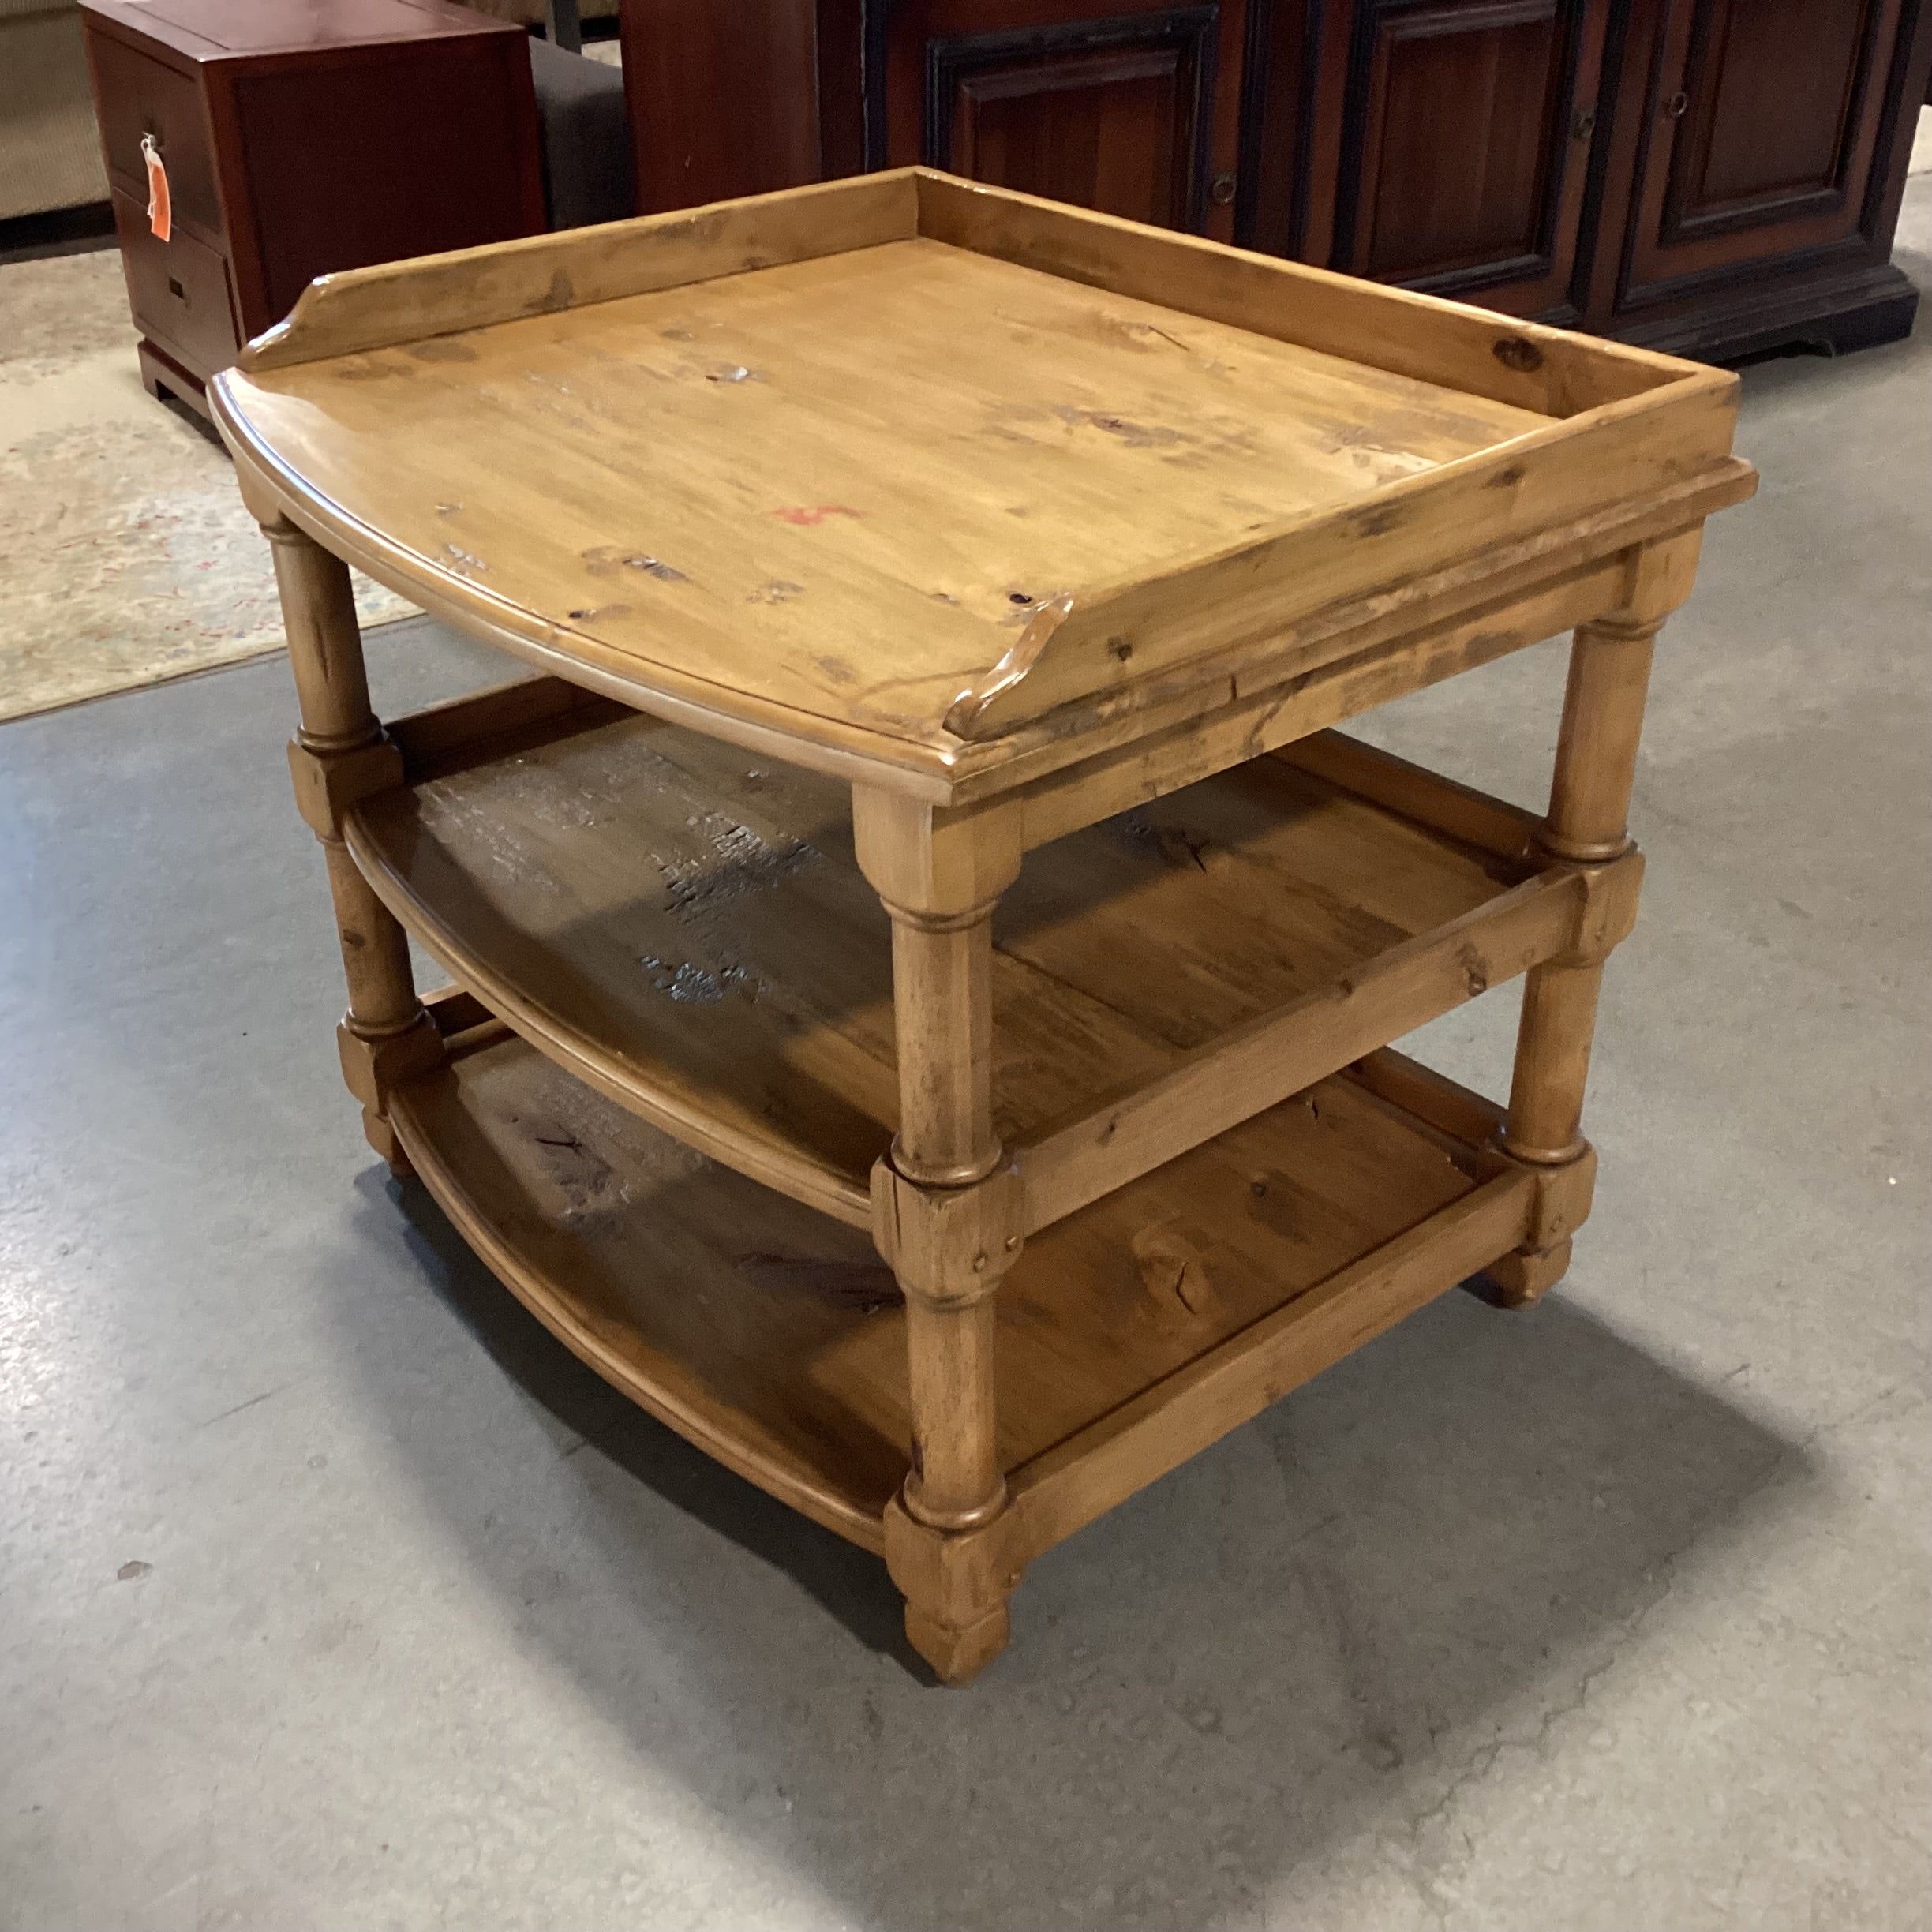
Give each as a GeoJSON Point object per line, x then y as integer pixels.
{"type": "Point", "coordinates": [1518, 353]}
{"type": "Point", "coordinates": [1172, 1272]}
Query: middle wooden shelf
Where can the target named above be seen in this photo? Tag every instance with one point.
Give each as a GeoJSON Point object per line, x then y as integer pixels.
{"type": "Point", "coordinates": [683, 927]}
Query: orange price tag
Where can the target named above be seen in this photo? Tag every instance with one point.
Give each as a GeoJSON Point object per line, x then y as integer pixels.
{"type": "Point", "coordinates": [160, 211]}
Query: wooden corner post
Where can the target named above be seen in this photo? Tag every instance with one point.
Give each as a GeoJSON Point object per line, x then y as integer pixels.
{"type": "Point", "coordinates": [1587, 829]}
{"type": "Point", "coordinates": [946, 1215]}
{"type": "Point", "coordinates": [340, 754]}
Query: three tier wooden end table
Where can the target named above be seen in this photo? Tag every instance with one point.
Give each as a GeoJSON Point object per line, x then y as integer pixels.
{"type": "Point", "coordinates": [928, 838]}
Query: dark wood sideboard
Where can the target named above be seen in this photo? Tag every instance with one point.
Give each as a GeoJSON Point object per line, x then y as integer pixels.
{"type": "Point", "coordinates": [1712, 176]}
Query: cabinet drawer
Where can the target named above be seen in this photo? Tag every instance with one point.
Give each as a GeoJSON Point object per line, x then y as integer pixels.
{"type": "Point", "coordinates": [137, 96]}
{"type": "Point", "coordinates": [178, 291]}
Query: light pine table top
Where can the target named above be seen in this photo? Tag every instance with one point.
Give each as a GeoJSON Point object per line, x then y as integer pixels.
{"type": "Point", "coordinates": [919, 480]}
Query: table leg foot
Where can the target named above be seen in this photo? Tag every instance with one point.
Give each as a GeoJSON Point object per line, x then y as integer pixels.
{"type": "Point", "coordinates": [382, 1137]}
{"type": "Point", "coordinates": [1522, 1279]}
{"type": "Point", "coordinates": [958, 1656]}
{"type": "Point", "coordinates": [955, 1583]}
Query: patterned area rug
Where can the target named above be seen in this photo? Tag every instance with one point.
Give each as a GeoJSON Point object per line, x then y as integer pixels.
{"type": "Point", "coordinates": [125, 551]}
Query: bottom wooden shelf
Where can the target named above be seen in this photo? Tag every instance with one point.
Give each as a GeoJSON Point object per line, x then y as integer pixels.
{"type": "Point", "coordinates": [771, 1335]}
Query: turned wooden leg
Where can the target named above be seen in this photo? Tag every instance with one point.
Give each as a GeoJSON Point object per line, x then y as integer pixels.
{"type": "Point", "coordinates": [339, 754]}
{"type": "Point", "coordinates": [946, 1217]}
{"type": "Point", "coordinates": [1586, 828]}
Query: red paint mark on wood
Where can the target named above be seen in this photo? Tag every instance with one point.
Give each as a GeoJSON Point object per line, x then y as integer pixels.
{"type": "Point", "coordinates": [808, 516]}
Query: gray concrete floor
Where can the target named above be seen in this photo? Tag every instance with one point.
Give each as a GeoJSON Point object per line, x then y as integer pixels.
{"type": "Point", "coordinates": [334, 1595]}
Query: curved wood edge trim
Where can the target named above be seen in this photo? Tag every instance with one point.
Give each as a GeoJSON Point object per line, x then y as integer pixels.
{"type": "Point", "coordinates": [920, 766]}
{"type": "Point", "coordinates": [669, 1106]}
{"type": "Point", "coordinates": [964, 718]}
{"type": "Point", "coordinates": [581, 1333]}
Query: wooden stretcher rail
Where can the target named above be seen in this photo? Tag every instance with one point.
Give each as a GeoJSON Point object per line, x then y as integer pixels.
{"type": "Point", "coordinates": [1412, 792]}
{"type": "Point", "coordinates": [1081, 1479]}
{"type": "Point", "coordinates": [1255, 1066]}
{"type": "Point", "coordinates": [1193, 747]}
{"type": "Point", "coordinates": [496, 723]}
{"type": "Point", "coordinates": [1462, 1116]}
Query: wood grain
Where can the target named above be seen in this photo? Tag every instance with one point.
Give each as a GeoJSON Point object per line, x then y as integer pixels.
{"type": "Point", "coordinates": [1109, 636]}
{"type": "Point", "coordinates": [966, 855]}
{"type": "Point", "coordinates": [365, 309]}
{"type": "Point", "coordinates": [1085, 1475]}
{"type": "Point", "coordinates": [687, 929]}
{"type": "Point", "coordinates": [1555, 374]}
{"type": "Point", "coordinates": [877, 469]}
{"type": "Point", "coordinates": [656, 1266]}
{"type": "Point", "coordinates": [1265, 1059]}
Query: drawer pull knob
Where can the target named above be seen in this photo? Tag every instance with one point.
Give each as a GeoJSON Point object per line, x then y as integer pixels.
{"type": "Point", "coordinates": [1221, 190]}
{"type": "Point", "coordinates": [1675, 107]}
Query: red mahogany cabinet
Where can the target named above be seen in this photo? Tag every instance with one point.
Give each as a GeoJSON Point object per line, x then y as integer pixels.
{"type": "Point", "coordinates": [1710, 176]}
{"type": "Point", "coordinates": [296, 140]}
{"type": "Point", "coordinates": [1132, 107]}
{"type": "Point", "coordinates": [1758, 172]}
{"type": "Point", "coordinates": [1455, 143]}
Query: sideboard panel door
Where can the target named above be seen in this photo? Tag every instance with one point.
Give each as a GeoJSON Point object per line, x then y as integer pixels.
{"type": "Point", "coordinates": [1467, 128]}
{"type": "Point", "coordinates": [1134, 112]}
{"type": "Point", "coordinates": [1111, 130]}
{"type": "Point", "coordinates": [1761, 128]}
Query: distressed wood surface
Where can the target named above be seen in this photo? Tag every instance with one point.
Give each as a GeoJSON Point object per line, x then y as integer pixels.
{"type": "Point", "coordinates": [846, 484]}
{"type": "Point", "coordinates": [1087, 1473]}
{"type": "Point", "coordinates": [1548, 371]}
{"type": "Point", "coordinates": [1277, 1053]}
{"type": "Point", "coordinates": [762, 1332]}
{"type": "Point", "coordinates": [414, 302]}
{"type": "Point", "coordinates": [930, 812]}
{"type": "Point", "coordinates": [1107, 638]}
{"type": "Point", "coordinates": [1339, 659]}
{"type": "Point", "coordinates": [686, 928]}
{"type": "Point", "coordinates": [892, 473]}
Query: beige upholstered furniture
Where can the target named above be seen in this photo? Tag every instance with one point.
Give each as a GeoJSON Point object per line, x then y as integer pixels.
{"type": "Point", "coordinates": [50, 154]}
